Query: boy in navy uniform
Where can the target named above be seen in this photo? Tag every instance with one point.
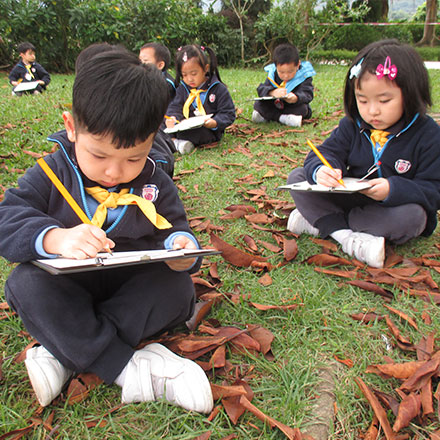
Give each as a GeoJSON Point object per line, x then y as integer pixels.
{"type": "Point", "coordinates": [27, 70]}
{"type": "Point", "coordinates": [159, 55]}
{"type": "Point", "coordinates": [289, 81]}
{"type": "Point", "coordinates": [91, 321]}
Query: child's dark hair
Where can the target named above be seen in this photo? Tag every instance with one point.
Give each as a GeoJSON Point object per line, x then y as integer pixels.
{"type": "Point", "coordinates": [285, 54]}
{"type": "Point", "coordinates": [91, 51]}
{"type": "Point", "coordinates": [25, 46]}
{"type": "Point", "coordinates": [204, 55]}
{"type": "Point", "coordinates": [115, 94]}
{"type": "Point", "coordinates": [161, 53]}
{"type": "Point", "coordinates": [412, 77]}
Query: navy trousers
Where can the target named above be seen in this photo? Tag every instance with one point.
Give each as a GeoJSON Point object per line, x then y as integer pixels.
{"type": "Point", "coordinates": [332, 212]}
{"type": "Point", "coordinates": [90, 321]}
{"type": "Point", "coordinates": [270, 111]}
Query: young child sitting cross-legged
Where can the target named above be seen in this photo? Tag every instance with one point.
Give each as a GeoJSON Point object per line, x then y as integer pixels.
{"type": "Point", "coordinates": [91, 321]}
{"type": "Point", "coordinates": [386, 136]}
{"type": "Point", "coordinates": [289, 81]}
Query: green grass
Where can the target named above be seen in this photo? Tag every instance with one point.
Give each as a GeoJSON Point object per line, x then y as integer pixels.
{"type": "Point", "coordinates": [305, 340]}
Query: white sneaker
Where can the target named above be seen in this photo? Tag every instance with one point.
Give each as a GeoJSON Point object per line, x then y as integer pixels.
{"type": "Point", "coordinates": [155, 372]}
{"type": "Point", "coordinates": [46, 373]}
{"type": "Point", "coordinates": [366, 248]}
{"type": "Point", "coordinates": [291, 120]}
{"type": "Point", "coordinates": [183, 146]}
{"type": "Point", "coordinates": [299, 225]}
{"type": "Point", "coordinates": [257, 118]}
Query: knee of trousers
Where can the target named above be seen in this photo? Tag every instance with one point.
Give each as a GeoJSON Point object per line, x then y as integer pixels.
{"type": "Point", "coordinates": [296, 175]}
{"type": "Point", "coordinates": [412, 224]}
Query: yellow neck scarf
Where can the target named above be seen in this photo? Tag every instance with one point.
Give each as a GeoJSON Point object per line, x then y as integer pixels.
{"type": "Point", "coordinates": [194, 95]}
{"type": "Point", "coordinates": [379, 137]}
{"type": "Point", "coordinates": [113, 199]}
{"type": "Point", "coordinates": [28, 68]}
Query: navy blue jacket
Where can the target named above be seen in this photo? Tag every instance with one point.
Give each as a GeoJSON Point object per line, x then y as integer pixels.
{"type": "Point", "coordinates": [19, 71]}
{"type": "Point", "coordinates": [410, 162]}
{"type": "Point", "coordinates": [36, 204]}
{"type": "Point", "coordinates": [216, 100]}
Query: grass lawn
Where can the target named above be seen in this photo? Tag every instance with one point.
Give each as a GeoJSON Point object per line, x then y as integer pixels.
{"type": "Point", "coordinates": [306, 340]}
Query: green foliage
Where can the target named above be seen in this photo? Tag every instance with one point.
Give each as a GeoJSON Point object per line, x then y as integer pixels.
{"type": "Point", "coordinates": [338, 55]}
{"type": "Point", "coordinates": [429, 53]}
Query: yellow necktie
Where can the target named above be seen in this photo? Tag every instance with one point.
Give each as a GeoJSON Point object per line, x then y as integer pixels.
{"type": "Point", "coordinates": [113, 199]}
{"type": "Point", "coordinates": [194, 95]}
{"type": "Point", "coordinates": [379, 137]}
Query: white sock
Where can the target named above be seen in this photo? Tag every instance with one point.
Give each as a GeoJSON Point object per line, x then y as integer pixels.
{"type": "Point", "coordinates": [121, 378]}
{"type": "Point", "coordinates": [341, 235]}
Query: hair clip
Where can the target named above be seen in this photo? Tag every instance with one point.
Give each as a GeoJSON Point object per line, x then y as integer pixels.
{"type": "Point", "coordinates": [179, 49]}
{"type": "Point", "coordinates": [185, 57]}
{"type": "Point", "coordinates": [386, 69]}
{"type": "Point", "coordinates": [203, 48]}
{"type": "Point", "coordinates": [356, 69]}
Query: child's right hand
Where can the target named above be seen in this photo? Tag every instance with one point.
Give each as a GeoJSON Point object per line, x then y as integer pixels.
{"type": "Point", "coordinates": [79, 242]}
{"type": "Point", "coordinates": [279, 93]}
{"type": "Point", "coordinates": [170, 122]}
{"type": "Point", "coordinates": [328, 177]}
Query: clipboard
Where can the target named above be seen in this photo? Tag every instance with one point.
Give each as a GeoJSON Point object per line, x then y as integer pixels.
{"type": "Point", "coordinates": [59, 266]}
{"type": "Point", "coordinates": [189, 124]}
{"type": "Point", "coordinates": [268, 98]}
{"type": "Point", "coordinates": [25, 86]}
{"type": "Point", "coordinates": [352, 185]}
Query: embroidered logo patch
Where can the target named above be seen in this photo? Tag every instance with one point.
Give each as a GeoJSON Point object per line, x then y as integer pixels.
{"type": "Point", "coordinates": [27, 76]}
{"type": "Point", "coordinates": [402, 166]}
{"type": "Point", "coordinates": [150, 192]}
{"type": "Point", "coordinates": [211, 97]}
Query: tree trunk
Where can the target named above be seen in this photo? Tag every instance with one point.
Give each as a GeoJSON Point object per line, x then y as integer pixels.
{"type": "Point", "coordinates": [429, 30]}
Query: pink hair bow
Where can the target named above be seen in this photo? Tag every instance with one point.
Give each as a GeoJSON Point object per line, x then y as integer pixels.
{"type": "Point", "coordinates": [386, 69]}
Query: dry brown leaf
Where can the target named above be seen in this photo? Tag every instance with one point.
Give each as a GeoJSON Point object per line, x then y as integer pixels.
{"type": "Point", "coordinates": [377, 408]}
{"type": "Point", "coordinates": [408, 409]}
{"type": "Point", "coordinates": [328, 260]}
{"type": "Point", "coordinates": [223, 391]}
{"type": "Point", "coordinates": [399, 371]}
{"type": "Point", "coordinates": [402, 315]}
{"type": "Point", "coordinates": [265, 280]}
{"type": "Point", "coordinates": [246, 208]}
{"type": "Point", "coordinates": [337, 272]}
{"type": "Point", "coordinates": [233, 255]}
{"type": "Point", "coordinates": [263, 336]}
{"type": "Point", "coordinates": [326, 244]}
{"type": "Point", "coordinates": [290, 433]}
{"type": "Point", "coordinates": [366, 318]}
{"type": "Point", "coordinates": [373, 430]}
{"type": "Point", "coordinates": [347, 362]}
{"type": "Point", "coordinates": [290, 249]}
{"type": "Point", "coordinates": [422, 375]}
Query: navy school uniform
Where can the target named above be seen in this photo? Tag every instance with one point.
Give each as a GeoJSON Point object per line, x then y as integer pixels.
{"type": "Point", "coordinates": [38, 72]}
{"type": "Point", "coordinates": [410, 161]}
{"type": "Point", "coordinates": [90, 321]}
{"type": "Point", "coordinates": [301, 84]}
{"type": "Point", "coordinates": [215, 99]}
{"type": "Point", "coordinates": [171, 86]}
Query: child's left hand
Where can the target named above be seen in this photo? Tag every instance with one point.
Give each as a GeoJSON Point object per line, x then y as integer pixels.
{"type": "Point", "coordinates": [379, 190]}
{"type": "Point", "coordinates": [210, 123]}
{"type": "Point", "coordinates": [180, 264]}
{"type": "Point", "coordinates": [291, 98]}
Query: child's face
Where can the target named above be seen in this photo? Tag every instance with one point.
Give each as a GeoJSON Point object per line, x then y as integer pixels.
{"type": "Point", "coordinates": [148, 56]}
{"type": "Point", "coordinates": [379, 101]}
{"type": "Point", "coordinates": [28, 57]}
{"type": "Point", "coordinates": [287, 71]}
{"type": "Point", "coordinates": [193, 74]}
{"type": "Point", "coordinates": [101, 162]}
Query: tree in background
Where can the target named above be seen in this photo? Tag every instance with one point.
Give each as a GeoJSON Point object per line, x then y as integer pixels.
{"type": "Point", "coordinates": [429, 38]}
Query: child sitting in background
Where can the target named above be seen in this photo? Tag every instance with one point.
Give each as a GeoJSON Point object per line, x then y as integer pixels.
{"type": "Point", "coordinates": [91, 321]}
{"type": "Point", "coordinates": [27, 70]}
{"type": "Point", "coordinates": [387, 135]}
{"type": "Point", "coordinates": [200, 92]}
{"type": "Point", "coordinates": [159, 55]}
{"type": "Point", "coordinates": [290, 81]}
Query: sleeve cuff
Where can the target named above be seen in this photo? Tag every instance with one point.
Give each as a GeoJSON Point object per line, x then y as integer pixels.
{"type": "Point", "coordinates": [169, 242]}
{"type": "Point", "coordinates": [39, 249]}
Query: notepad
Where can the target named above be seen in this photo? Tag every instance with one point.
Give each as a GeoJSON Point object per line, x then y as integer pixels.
{"type": "Point", "coordinates": [352, 184]}
{"type": "Point", "coordinates": [189, 124]}
{"type": "Point", "coordinates": [57, 266]}
{"type": "Point", "coordinates": [24, 86]}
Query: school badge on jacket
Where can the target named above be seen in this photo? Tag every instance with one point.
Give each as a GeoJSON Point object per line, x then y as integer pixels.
{"type": "Point", "coordinates": [402, 166]}
{"type": "Point", "coordinates": [150, 192]}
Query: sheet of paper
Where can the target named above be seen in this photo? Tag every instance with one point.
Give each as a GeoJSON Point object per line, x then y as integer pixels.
{"type": "Point", "coordinates": [268, 98]}
{"type": "Point", "coordinates": [352, 185]}
{"type": "Point", "coordinates": [105, 260]}
{"type": "Point", "coordinates": [188, 124]}
{"type": "Point", "coordinates": [23, 86]}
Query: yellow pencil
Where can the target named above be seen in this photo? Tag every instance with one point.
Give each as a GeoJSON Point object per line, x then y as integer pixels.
{"type": "Point", "coordinates": [69, 199]}
{"type": "Point", "coordinates": [323, 159]}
